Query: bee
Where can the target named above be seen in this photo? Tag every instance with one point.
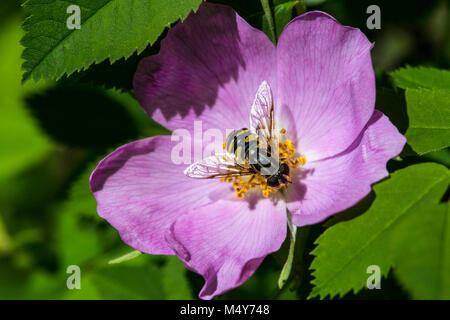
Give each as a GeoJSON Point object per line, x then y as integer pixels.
{"type": "Point", "coordinates": [246, 146]}
{"type": "Point", "coordinates": [249, 152]}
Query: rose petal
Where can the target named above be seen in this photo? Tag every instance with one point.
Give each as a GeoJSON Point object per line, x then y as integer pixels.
{"type": "Point", "coordinates": [326, 86]}
{"type": "Point", "coordinates": [226, 241]}
{"type": "Point", "coordinates": [334, 184]}
{"type": "Point", "coordinates": [209, 68]}
{"type": "Point", "coordinates": [140, 191]}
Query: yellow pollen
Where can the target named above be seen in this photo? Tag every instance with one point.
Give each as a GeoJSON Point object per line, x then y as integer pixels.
{"type": "Point", "coordinates": [240, 195]}
{"type": "Point", "coordinates": [224, 145]}
{"type": "Point", "coordinates": [243, 184]}
{"type": "Point", "coordinates": [301, 160]}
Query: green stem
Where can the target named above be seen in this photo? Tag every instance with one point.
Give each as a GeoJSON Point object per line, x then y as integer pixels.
{"type": "Point", "coordinates": [297, 268]}
{"type": "Point", "coordinates": [130, 255]}
{"type": "Point", "coordinates": [286, 271]}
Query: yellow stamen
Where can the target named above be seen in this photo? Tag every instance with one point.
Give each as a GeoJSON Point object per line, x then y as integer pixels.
{"type": "Point", "coordinates": [283, 131]}
{"type": "Point", "coordinates": [301, 160]}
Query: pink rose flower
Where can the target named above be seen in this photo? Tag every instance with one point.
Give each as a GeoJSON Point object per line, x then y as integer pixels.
{"type": "Point", "coordinates": [320, 82]}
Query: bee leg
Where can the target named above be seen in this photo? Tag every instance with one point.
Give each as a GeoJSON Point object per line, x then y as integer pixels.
{"type": "Point", "coordinates": [251, 179]}
{"type": "Point", "coordinates": [286, 179]}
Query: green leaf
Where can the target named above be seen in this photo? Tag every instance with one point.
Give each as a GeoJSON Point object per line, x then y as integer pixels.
{"type": "Point", "coordinates": [176, 285]}
{"type": "Point", "coordinates": [441, 156]}
{"type": "Point", "coordinates": [421, 248]}
{"type": "Point", "coordinates": [445, 266]}
{"type": "Point", "coordinates": [282, 14]}
{"type": "Point", "coordinates": [429, 115]}
{"type": "Point", "coordinates": [129, 282]}
{"type": "Point", "coordinates": [428, 101]}
{"type": "Point", "coordinates": [268, 19]}
{"type": "Point", "coordinates": [118, 75]}
{"type": "Point", "coordinates": [110, 29]}
{"type": "Point", "coordinates": [345, 250]}
{"type": "Point", "coordinates": [421, 77]}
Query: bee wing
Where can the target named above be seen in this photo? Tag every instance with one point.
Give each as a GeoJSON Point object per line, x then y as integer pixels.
{"type": "Point", "coordinates": [219, 166]}
{"type": "Point", "coordinates": [261, 114]}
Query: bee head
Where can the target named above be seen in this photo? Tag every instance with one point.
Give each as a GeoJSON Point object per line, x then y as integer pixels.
{"type": "Point", "coordinates": [280, 178]}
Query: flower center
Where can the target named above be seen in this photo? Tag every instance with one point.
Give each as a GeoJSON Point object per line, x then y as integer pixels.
{"type": "Point", "coordinates": [287, 155]}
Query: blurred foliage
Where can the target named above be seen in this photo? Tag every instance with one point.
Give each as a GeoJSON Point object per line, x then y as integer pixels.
{"type": "Point", "coordinates": [63, 110]}
{"type": "Point", "coordinates": [52, 135]}
{"type": "Point", "coordinates": [21, 141]}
